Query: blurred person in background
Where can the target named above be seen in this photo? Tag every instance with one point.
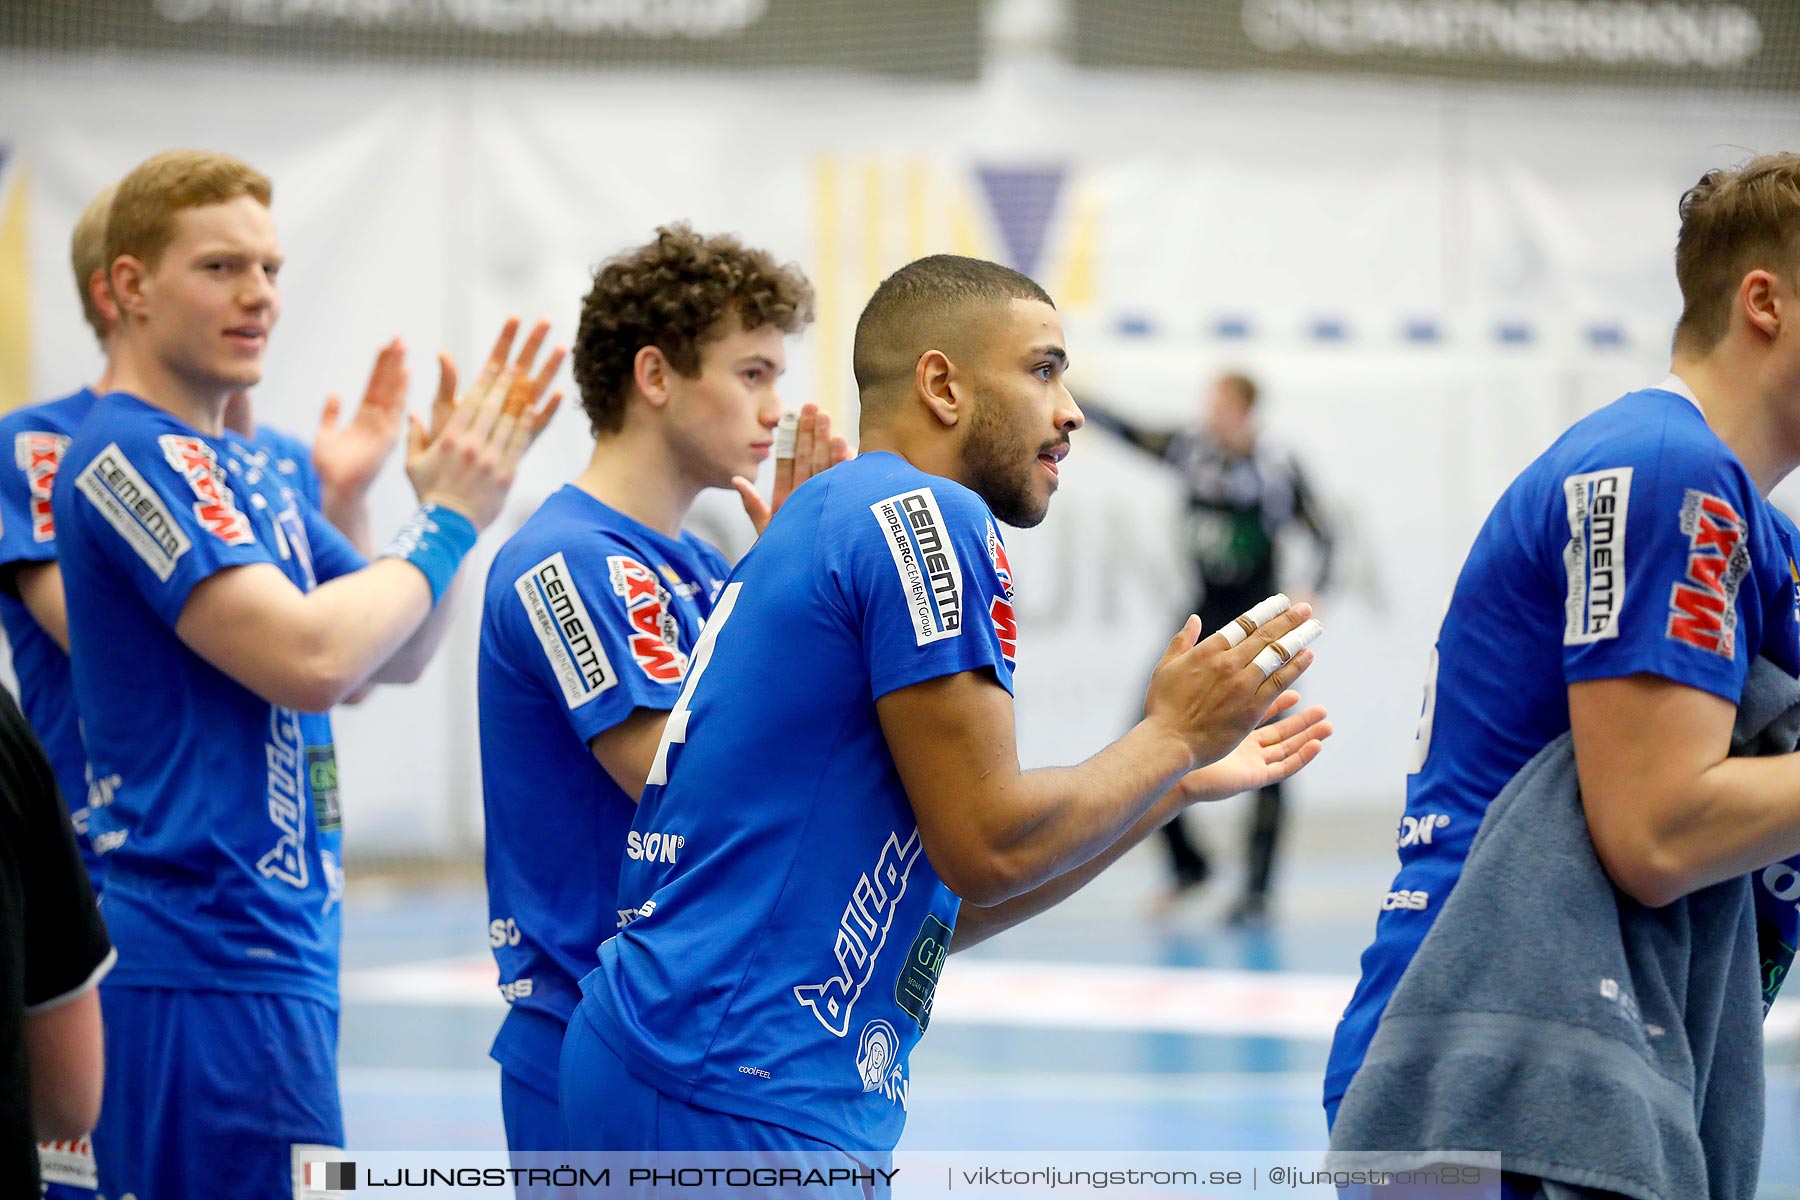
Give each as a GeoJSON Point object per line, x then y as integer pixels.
{"type": "Point", "coordinates": [1243, 491]}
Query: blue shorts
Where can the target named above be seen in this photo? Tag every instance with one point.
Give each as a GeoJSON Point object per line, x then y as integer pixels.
{"type": "Point", "coordinates": [529, 1049]}
{"type": "Point", "coordinates": [208, 1092]}
{"type": "Point", "coordinates": [607, 1108]}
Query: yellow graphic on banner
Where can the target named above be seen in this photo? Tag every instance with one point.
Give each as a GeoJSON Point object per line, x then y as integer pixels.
{"type": "Point", "coordinates": [874, 214]}
{"type": "Point", "coordinates": [15, 291]}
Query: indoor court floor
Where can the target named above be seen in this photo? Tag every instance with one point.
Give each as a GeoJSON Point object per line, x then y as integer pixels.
{"type": "Point", "coordinates": [1091, 1027]}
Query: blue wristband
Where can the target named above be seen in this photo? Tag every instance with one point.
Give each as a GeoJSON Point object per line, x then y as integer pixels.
{"type": "Point", "coordinates": [436, 540]}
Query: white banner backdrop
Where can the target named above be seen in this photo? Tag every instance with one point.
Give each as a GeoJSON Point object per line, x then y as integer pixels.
{"type": "Point", "coordinates": [1430, 284]}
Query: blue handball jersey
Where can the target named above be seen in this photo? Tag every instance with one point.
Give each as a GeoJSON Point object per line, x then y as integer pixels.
{"type": "Point", "coordinates": [216, 811]}
{"type": "Point", "coordinates": [787, 935]}
{"type": "Point", "coordinates": [1636, 544]}
{"type": "Point", "coordinates": [588, 616]}
{"type": "Point", "coordinates": [32, 441]}
{"type": "Point", "coordinates": [290, 459]}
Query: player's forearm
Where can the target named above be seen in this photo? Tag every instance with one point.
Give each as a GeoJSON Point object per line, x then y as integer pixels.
{"type": "Point", "coordinates": [975, 924]}
{"type": "Point", "coordinates": [354, 624]}
{"type": "Point", "coordinates": [349, 512]}
{"type": "Point", "coordinates": [416, 652]}
{"type": "Point", "coordinates": [1736, 817]}
{"type": "Point", "coordinates": [1050, 821]}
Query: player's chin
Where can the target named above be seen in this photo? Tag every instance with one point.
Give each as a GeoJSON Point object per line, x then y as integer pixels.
{"type": "Point", "coordinates": [238, 375]}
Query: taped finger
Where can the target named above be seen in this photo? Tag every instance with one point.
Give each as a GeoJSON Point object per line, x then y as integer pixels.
{"type": "Point", "coordinates": [1245, 625]}
{"type": "Point", "coordinates": [784, 435]}
{"type": "Point", "coordinates": [1277, 653]}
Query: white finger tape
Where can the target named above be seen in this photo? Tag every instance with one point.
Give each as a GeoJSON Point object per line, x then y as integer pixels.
{"type": "Point", "coordinates": [1245, 625]}
{"type": "Point", "coordinates": [1274, 655]}
{"type": "Point", "coordinates": [784, 434]}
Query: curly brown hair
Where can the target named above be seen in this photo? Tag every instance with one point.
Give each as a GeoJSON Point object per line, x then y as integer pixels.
{"type": "Point", "coordinates": [675, 293]}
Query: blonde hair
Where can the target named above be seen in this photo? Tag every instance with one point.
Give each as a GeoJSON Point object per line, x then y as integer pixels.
{"type": "Point", "coordinates": [142, 218]}
{"type": "Point", "coordinates": [87, 254]}
{"type": "Point", "coordinates": [1734, 222]}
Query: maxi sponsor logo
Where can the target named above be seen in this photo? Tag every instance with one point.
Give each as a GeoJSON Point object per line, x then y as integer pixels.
{"type": "Point", "coordinates": [215, 509]}
{"type": "Point", "coordinates": [1595, 556]}
{"type": "Point", "coordinates": [39, 454]}
{"type": "Point", "coordinates": [655, 636]}
{"type": "Point", "coordinates": [565, 631]}
{"type": "Point", "coordinates": [286, 860]}
{"type": "Point", "coordinates": [1703, 610]}
{"type": "Point", "coordinates": [862, 932]}
{"type": "Point", "coordinates": [133, 508]}
{"type": "Point", "coordinates": [929, 571]}
{"type": "Point", "coordinates": [1006, 622]}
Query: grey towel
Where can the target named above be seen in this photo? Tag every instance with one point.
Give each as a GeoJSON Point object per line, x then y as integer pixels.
{"type": "Point", "coordinates": [1547, 1015]}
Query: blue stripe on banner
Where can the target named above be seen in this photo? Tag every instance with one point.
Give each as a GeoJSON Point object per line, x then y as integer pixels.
{"type": "Point", "coordinates": [1513, 333]}
{"type": "Point", "coordinates": [1605, 335]}
{"type": "Point", "coordinates": [1328, 329]}
{"type": "Point", "coordinates": [1135, 326]}
{"type": "Point", "coordinates": [1422, 330]}
{"type": "Point", "coordinates": [1232, 327]}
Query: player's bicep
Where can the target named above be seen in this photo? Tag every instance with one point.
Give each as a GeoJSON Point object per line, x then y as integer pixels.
{"type": "Point", "coordinates": [1642, 743]}
{"type": "Point", "coordinates": [626, 750]}
{"type": "Point", "coordinates": [952, 742]}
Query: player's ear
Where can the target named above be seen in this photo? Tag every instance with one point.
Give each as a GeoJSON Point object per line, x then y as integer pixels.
{"type": "Point", "coordinates": [1761, 302]}
{"type": "Point", "coordinates": [650, 370]}
{"type": "Point", "coordinates": [128, 277]}
{"type": "Point", "coordinates": [938, 387]}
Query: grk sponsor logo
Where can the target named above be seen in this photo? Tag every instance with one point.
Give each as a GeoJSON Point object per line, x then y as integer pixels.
{"type": "Point", "coordinates": [1417, 831]}
{"type": "Point", "coordinates": [1703, 610]}
{"type": "Point", "coordinates": [286, 860]}
{"type": "Point", "coordinates": [1595, 556]}
{"type": "Point", "coordinates": [133, 508]}
{"type": "Point", "coordinates": [1405, 901]}
{"type": "Point", "coordinates": [565, 631]}
{"type": "Point", "coordinates": [653, 847]}
{"type": "Point", "coordinates": [39, 454]}
{"type": "Point", "coordinates": [929, 571]}
{"type": "Point", "coordinates": [878, 1062]}
{"type": "Point", "coordinates": [215, 509]}
{"type": "Point", "coordinates": [862, 932]}
{"type": "Point", "coordinates": [655, 636]}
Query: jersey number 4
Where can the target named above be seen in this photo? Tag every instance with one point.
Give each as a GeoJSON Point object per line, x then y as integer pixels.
{"type": "Point", "coordinates": [676, 728]}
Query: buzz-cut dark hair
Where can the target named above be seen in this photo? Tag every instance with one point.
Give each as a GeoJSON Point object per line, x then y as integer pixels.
{"type": "Point", "coordinates": [672, 293]}
{"type": "Point", "coordinates": [922, 302]}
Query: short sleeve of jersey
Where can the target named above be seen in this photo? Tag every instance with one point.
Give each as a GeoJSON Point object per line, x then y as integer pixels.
{"type": "Point", "coordinates": [163, 514]}
{"type": "Point", "coordinates": [594, 629]}
{"type": "Point", "coordinates": [66, 946]}
{"type": "Point", "coordinates": [28, 462]}
{"type": "Point", "coordinates": [922, 572]}
{"type": "Point", "coordinates": [333, 555]}
{"type": "Point", "coordinates": [1658, 559]}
